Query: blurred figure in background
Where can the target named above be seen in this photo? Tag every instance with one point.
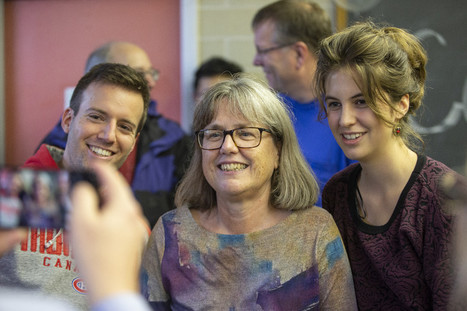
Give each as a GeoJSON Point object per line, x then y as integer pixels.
{"type": "Point", "coordinates": [287, 35]}
{"type": "Point", "coordinates": [212, 71]}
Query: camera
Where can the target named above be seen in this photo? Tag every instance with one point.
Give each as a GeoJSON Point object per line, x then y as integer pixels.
{"type": "Point", "coordinates": [38, 198]}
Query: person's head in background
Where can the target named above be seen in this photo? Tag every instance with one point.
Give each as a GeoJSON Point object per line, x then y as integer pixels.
{"type": "Point", "coordinates": [287, 35]}
{"type": "Point", "coordinates": [107, 111]}
{"type": "Point", "coordinates": [212, 71]}
{"type": "Point", "coordinates": [124, 53]}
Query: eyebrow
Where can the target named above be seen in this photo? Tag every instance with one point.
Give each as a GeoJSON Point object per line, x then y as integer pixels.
{"type": "Point", "coordinates": [235, 126]}
{"type": "Point", "coordinates": [353, 97]}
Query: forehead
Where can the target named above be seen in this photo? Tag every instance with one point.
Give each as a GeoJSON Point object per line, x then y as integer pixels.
{"type": "Point", "coordinates": [343, 75]}
{"type": "Point", "coordinates": [131, 56]}
{"type": "Point", "coordinates": [113, 100]}
{"type": "Point", "coordinates": [228, 114]}
{"type": "Point", "coordinates": [265, 32]}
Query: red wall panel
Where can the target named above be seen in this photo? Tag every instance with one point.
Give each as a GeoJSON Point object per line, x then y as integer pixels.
{"type": "Point", "coordinates": [46, 46]}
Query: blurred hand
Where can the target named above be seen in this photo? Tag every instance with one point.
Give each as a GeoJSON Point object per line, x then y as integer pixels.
{"type": "Point", "coordinates": [10, 238]}
{"type": "Point", "coordinates": [107, 241]}
{"type": "Point", "coordinates": [455, 186]}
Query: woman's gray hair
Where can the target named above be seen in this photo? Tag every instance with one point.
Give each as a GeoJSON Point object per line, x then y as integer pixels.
{"type": "Point", "coordinates": [293, 184]}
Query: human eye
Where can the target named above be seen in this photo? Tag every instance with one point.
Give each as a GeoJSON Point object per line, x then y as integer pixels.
{"type": "Point", "coordinates": [246, 133]}
{"type": "Point", "coordinates": [95, 116]}
{"type": "Point", "coordinates": [213, 135]}
{"type": "Point", "coordinates": [332, 105]}
{"type": "Point", "coordinates": [127, 128]}
{"type": "Point", "coordinates": [360, 102]}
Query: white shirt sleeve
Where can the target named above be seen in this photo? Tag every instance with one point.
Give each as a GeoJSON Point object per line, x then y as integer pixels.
{"type": "Point", "coordinates": [122, 302]}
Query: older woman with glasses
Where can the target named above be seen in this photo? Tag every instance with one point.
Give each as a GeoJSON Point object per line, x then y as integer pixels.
{"type": "Point", "coordinates": [246, 234]}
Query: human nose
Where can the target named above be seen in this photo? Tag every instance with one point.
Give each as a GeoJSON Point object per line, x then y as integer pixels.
{"type": "Point", "coordinates": [228, 144]}
{"type": "Point", "coordinates": [258, 59]}
{"type": "Point", "coordinates": [347, 116]}
{"type": "Point", "coordinates": [109, 132]}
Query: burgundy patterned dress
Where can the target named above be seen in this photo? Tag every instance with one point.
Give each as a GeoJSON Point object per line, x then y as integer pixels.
{"type": "Point", "coordinates": [404, 264]}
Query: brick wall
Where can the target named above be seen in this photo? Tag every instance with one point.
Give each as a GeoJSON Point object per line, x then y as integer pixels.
{"type": "Point", "coordinates": [224, 29]}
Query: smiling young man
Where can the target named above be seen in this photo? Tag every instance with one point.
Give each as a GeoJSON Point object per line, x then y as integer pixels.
{"type": "Point", "coordinates": [107, 111]}
{"type": "Point", "coordinates": [162, 151]}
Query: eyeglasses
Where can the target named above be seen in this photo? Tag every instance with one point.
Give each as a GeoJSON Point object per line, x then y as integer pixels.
{"type": "Point", "coordinates": [265, 51]}
{"type": "Point", "coordinates": [245, 137]}
{"type": "Point", "coordinates": [153, 73]}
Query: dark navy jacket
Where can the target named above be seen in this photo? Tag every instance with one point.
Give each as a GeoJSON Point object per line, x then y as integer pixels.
{"type": "Point", "coordinates": [163, 153]}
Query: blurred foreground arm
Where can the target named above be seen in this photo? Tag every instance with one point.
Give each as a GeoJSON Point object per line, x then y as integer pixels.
{"type": "Point", "coordinates": [108, 241]}
{"type": "Point", "coordinates": [455, 186]}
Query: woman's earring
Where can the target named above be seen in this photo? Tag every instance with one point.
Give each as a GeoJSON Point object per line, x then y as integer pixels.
{"type": "Point", "coordinates": [397, 130]}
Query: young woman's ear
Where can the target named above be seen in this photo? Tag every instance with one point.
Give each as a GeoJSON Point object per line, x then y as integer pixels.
{"type": "Point", "coordinates": [403, 106]}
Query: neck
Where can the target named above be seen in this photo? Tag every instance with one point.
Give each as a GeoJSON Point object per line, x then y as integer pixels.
{"type": "Point", "coordinates": [301, 91]}
{"type": "Point", "coordinates": [389, 169]}
{"type": "Point", "coordinates": [302, 97]}
{"type": "Point", "coordinates": [381, 184]}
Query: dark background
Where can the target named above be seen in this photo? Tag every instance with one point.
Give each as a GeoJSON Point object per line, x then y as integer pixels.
{"type": "Point", "coordinates": [442, 28]}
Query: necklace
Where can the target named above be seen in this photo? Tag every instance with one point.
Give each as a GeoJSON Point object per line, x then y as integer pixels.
{"type": "Point", "coordinates": [359, 204]}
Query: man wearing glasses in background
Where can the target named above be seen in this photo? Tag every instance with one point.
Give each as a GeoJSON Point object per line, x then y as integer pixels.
{"type": "Point", "coordinates": [287, 35]}
{"type": "Point", "coordinates": [158, 161]}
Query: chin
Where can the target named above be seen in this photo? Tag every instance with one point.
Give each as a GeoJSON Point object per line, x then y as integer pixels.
{"type": "Point", "coordinates": [229, 189]}
{"type": "Point", "coordinates": [109, 161]}
{"type": "Point", "coordinates": [352, 155]}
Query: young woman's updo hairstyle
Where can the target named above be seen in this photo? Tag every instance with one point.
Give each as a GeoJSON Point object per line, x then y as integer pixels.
{"type": "Point", "coordinates": [387, 63]}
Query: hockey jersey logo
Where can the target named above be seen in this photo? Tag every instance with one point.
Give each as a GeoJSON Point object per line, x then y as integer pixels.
{"type": "Point", "coordinates": [78, 285]}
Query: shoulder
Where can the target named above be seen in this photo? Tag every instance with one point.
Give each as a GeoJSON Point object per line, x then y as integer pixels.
{"type": "Point", "coordinates": [435, 167]}
{"type": "Point", "coordinates": [179, 215]}
{"type": "Point", "coordinates": [168, 125]}
{"type": "Point", "coordinates": [336, 191]}
{"type": "Point", "coordinates": [342, 177]}
{"type": "Point", "coordinates": [169, 133]}
{"type": "Point", "coordinates": [170, 215]}
{"type": "Point", "coordinates": [162, 227]}
{"type": "Point", "coordinates": [43, 158]}
{"type": "Point", "coordinates": [318, 227]}
{"type": "Point", "coordinates": [430, 173]}
{"type": "Point", "coordinates": [425, 195]}
{"type": "Point", "coordinates": [315, 212]}
{"type": "Point", "coordinates": [316, 217]}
